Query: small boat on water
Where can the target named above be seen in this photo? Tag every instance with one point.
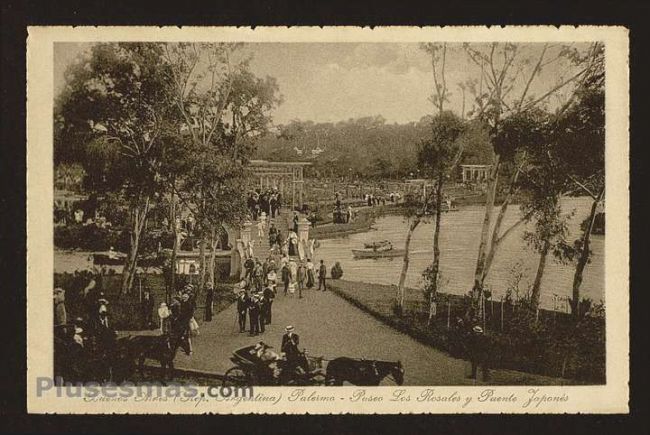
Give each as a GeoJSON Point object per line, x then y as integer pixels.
{"type": "Point", "coordinates": [376, 244]}
{"type": "Point", "coordinates": [114, 258]}
{"type": "Point", "coordinates": [382, 249]}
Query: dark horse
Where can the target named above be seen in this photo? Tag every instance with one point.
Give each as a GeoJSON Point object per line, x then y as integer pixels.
{"type": "Point", "coordinates": [362, 372]}
{"type": "Point", "coordinates": [161, 348]}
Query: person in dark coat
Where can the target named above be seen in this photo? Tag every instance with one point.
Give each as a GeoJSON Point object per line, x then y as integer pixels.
{"type": "Point", "coordinates": [242, 308]}
{"type": "Point", "coordinates": [254, 314]}
{"type": "Point", "coordinates": [479, 353]}
{"type": "Point", "coordinates": [146, 306]}
{"type": "Point", "coordinates": [290, 342]}
{"type": "Point", "coordinates": [263, 307]}
{"type": "Point", "coordinates": [209, 302]}
{"type": "Point", "coordinates": [286, 277]}
{"type": "Point", "coordinates": [269, 295]}
{"type": "Point", "coordinates": [273, 234]}
{"type": "Point", "coordinates": [322, 273]}
{"type": "Point", "coordinates": [249, 266]}
{"type": "Point", "coordinates": [295, 222]}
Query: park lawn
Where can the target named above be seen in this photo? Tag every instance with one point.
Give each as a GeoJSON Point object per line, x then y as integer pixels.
{"type": "Point", "coordinates": [523, 344]}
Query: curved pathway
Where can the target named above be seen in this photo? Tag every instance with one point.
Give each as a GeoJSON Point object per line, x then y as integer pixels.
{"type": "Point", "coordinates": [331, 327]}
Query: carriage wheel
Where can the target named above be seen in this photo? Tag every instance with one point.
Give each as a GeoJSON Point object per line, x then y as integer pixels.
{"type": "Point", "coordinates": [318, 379]}
{"type": "Point", "coordinates": [236, 377]}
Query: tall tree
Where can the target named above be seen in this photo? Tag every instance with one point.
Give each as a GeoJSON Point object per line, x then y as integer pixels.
{"type": "Point", "coordinates": [437, 158]}
{"type": "Point", "coordinates": [222, 107]}
{"type": "Point", "coordinates": [505, 88]}
{"type": "Point", "coordinates": [113, 110]}
{"type": "Point", "coordinates": [579, 151]}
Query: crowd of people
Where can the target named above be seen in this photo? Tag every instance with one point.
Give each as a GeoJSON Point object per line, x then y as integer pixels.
{"type": "Point", "coordinates": [258, 289]}
{"type": "Point", "coordinates": [372, 199]}
{"type": "Point", "coordinates": [268, 201]}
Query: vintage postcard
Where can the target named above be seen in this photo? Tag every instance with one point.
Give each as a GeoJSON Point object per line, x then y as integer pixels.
{"type": "Point", "coordinates": [327, 220]}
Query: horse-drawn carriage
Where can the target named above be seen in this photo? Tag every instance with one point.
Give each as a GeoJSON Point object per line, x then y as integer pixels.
{"type": "Point", "coordinates": [250, 369]}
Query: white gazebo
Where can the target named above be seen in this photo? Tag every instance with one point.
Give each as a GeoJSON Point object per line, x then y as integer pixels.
{"type": "Point", "coordinates": [475, 173]}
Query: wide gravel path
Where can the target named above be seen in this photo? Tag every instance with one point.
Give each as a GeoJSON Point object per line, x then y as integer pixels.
{"type": "Point", "coordinates": [331, 327]}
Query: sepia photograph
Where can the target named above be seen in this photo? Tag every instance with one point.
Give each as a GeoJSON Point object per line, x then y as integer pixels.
{"type": "Point", "coordinates": [300, 213]}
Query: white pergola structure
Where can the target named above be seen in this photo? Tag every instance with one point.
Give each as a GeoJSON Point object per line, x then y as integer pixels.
{"type": "Point", "coordinates": [475, 173]}
{"type": "Point", "coordinates": [287, 177]}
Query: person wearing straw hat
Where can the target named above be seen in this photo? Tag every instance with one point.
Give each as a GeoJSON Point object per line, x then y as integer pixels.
{"type": "Point", "coordinates": [479, 353]}
{"type": "Point", "coordinates": [290, 342]}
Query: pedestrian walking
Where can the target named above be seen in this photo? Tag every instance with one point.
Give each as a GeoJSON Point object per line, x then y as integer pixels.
{"type": "Point", "coordinates": [479, 353]}
{"type": "Point", "coordinates": [242, 308]}
{"type": "Point", "coordinates": [286, 277]}
{"type": "Point", "coordinates": [269, 296]}
{"type": "Point", "coordinates": [322, 273]}
{"type": "Point", "coordinates": [311, 278]}
{"type": "Point", "coordinates": [254, 314]}
{"type": "Point", "coordinates": [302, 279]}
{"type": "Point", "coordinates": [263, 310]}
{"type": "Point", "coordinates": [293, 275]}
{"type": "Point", "coordinates": [273, 234]}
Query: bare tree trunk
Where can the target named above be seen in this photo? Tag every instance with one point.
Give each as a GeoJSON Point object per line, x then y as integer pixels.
{"type": "Point", "coordinates": [405, 263]}
{"type": "Point", "coordinates": [202, 264]}
{"type": "Point", "coordinates": [213, 255]}
{"type": "Point", "coordinates": [172, 280]}
{"type": "Point", "coordinates": [139, 218]}
{"type": "Point", "coordinates": [584, 256]}
{"type": "Point", "coordinates": [536, 290]}
{"type": "Point", "coordinates": [496, 240]}
{"type": "Point", "coordinates": [436, 244]}
{"type": "Point", "coordinates": [489, 205]}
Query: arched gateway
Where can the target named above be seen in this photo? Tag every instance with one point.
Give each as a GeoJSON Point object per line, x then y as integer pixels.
{"type": "Point", "coordinates": [287, 177]}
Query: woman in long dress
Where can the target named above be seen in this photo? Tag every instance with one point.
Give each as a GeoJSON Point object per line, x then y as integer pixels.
{"type": "Point", "coordinates": [293, 276]}
{"type": "Point", "coordinates": [310, 273]}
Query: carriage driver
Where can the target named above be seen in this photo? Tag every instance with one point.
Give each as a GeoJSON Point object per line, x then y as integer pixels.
{"type": "Point", "coordinates": [294, 357]}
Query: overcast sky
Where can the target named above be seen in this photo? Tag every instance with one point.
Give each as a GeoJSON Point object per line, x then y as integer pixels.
{"type": "Point", "coordinates": [329, 82]}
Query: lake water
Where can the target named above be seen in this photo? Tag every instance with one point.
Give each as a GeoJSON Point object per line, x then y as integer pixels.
{"type": "Point", "coordinates": [459, 241]}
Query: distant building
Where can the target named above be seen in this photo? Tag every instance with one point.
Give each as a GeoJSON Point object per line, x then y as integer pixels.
{"type": "Point", "coordinates": [475, 173]}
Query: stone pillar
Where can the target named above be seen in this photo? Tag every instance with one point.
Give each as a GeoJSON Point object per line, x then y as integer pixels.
{"type": "Point", "coordinates": [303, 238]}
{"type": "Point", "coordinates": [246, 233]}
{"type": "Point", "coordinates": [293, 189]}
{"type": "Point", "coordinates": [301, 187]}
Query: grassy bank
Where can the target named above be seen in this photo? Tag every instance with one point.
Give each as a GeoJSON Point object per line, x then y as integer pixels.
{"type": "Point", "coordinates": [550, 344]}
{"type": "Point", "coordinates": [125, 310]}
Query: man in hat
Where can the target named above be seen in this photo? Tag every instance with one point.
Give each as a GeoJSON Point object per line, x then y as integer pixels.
{"type": "Point", "coordinates": [263, 308]}
{"type": "Point", "coordinates": [479, 353]}
{"type": "Point", "coordinates": [242, 307]}
{"type": "Point", "coordinates": [269, 296]}
{"type": "Point", "coordinates": [254, 314]}
{"type": "Point", "coordinates": [322, 273]}
{"type": "Point", "coordinates": [273, 232]}
{"type": "Point", "coordinates": [286, 277]}
{"type": "Point", "coordinates": [290, 342]}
